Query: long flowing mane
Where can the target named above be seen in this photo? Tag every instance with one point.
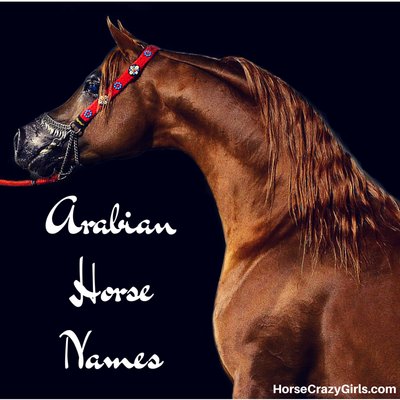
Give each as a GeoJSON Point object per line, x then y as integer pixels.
{"type": "Point", "coordinates": [333, 201]}
{"type": "Point", "coordinates": [335, 204]}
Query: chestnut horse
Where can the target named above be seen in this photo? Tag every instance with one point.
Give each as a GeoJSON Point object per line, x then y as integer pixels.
{"type": "Point", "coordinates": [309, 288]}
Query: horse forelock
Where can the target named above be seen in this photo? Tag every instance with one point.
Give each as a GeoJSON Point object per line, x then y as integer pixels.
{"type": "Point", "coordinates": [331, 199]}
{"type": "Point", "coordinates": [110, 68]}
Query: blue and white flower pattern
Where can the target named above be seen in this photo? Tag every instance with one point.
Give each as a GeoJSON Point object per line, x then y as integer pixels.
{"type": "Point", "coordinates": [87, 113]}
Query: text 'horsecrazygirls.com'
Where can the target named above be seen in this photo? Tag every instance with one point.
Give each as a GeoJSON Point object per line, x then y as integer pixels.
{"type": "Point", "coordinates": [333, 391]}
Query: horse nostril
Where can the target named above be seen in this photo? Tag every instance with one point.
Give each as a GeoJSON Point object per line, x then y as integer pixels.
{"type": "Point", "coordinates": [16, 141]}
{"type": "Point", "coordinates": [18, 144]}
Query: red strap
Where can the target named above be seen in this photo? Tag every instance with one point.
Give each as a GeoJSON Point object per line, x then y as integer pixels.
{"type": "Point", "coordinates": [28, 182]}
{"type": "Point", "coordinates": [130, 75]}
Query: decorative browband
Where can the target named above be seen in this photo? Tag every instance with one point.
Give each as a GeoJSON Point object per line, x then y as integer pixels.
{"type": "Point", "coordinates": [130, 75]}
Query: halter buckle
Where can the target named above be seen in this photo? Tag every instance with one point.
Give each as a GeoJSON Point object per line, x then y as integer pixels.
{"type": "Point", "coordinates": [76, 129]}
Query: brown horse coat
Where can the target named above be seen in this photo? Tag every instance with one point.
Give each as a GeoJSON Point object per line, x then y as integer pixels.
{"type": "Point", "coordinates": [308, 292]}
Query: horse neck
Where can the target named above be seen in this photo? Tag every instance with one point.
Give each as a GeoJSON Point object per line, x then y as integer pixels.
{"type": "Point", "coordinates": [206, 111]}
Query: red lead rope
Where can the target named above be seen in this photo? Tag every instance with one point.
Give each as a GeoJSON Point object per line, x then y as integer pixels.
{"type": "Point", "coordinates": [130, 75]}
{"type": "Point", "coordinates": [29, 182]}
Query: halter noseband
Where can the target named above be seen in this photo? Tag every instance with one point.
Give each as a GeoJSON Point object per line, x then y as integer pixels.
{"type": "Point", "coordinates": [62, 132]}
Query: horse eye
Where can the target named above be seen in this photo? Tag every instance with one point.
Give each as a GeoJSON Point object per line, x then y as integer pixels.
{"type": "Point", "coordinates": [92, 87]}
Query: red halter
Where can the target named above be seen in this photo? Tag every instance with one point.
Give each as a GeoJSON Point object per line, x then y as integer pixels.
{"type": "Point", "coordinates": [130, 75]}
{"type": "Point", "coordinates": [85, 117]}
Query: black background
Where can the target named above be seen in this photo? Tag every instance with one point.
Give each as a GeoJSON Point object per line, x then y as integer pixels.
{"type": "Point", "coordinates": [342, 57]}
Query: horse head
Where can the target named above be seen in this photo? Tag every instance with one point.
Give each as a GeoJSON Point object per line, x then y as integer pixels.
{"type": "Point", "coordinates": [54, 142]}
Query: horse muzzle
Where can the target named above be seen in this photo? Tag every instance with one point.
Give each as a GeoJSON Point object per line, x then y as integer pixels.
{"type": "Point", "coordinates": [23, 154]}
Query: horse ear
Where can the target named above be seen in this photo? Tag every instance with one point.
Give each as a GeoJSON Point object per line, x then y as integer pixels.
{"type": "Point", "coordinates": [124, 40]}
{"type": "Point", "coordinates": [123, 29]}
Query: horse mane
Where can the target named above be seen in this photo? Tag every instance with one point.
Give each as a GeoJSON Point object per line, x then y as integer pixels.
{"type": "Point", "coordinates": [333, 201]}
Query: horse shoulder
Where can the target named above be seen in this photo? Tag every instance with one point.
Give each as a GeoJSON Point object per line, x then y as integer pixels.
{"type": "Point", "coordinates": [359, 331]}
{"type": "Point", "coordinates": [267, 315]}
